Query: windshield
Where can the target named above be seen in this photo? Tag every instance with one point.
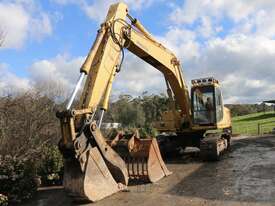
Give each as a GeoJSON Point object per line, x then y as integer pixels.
{"type": "Point", "coordinates": [203, 105]}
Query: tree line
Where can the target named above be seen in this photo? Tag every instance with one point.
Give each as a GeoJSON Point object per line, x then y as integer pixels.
{"type": "Point", "coordinates": [244, 109]}
{"type": "Point", "coordinates": [28, 121]}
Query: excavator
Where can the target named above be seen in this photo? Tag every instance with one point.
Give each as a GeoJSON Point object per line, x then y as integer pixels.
{"type": "Point", "coordinates": [94, 167]}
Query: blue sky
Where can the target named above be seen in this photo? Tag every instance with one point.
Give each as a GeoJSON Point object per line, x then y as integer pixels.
{"type": "Point", "coordinates": [73, 34]}
{"type": "Point", "coordinates": [231, 40]}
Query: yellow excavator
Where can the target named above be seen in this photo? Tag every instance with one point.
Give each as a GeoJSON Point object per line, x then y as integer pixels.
{"type": "Point", "coordinates": [95, 168]}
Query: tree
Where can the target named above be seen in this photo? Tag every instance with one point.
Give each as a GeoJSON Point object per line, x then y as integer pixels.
{"type": "Point", "coordinates": [27, 122]}
{"type": "Point", "coordinates": [153, 107]}
{"type": "Point", "coordinates": [140, 111]}
{"type": "Point", "coordinates": [127, 111]}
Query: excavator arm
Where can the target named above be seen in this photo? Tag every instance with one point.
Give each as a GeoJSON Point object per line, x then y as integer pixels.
{"type": "Point", "coordinates": [106, 55]}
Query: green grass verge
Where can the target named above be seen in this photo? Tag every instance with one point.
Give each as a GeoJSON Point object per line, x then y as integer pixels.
{"type": "Point", "coordinates": [248, 124]}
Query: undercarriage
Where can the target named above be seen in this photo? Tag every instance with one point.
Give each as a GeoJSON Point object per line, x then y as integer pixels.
{"type": "Point", "coordinates": [212, 145]}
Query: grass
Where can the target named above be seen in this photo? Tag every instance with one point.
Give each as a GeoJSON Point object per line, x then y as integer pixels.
{"type": "Point", "coordinates": [248, 124]}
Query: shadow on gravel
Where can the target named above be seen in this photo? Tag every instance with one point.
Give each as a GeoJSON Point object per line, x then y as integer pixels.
{"type": "Point", "coordinates": [244, 174]}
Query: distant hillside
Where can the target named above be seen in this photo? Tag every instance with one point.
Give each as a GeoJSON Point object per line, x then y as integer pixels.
{"type": "Point", "coordinates": [253, 124]}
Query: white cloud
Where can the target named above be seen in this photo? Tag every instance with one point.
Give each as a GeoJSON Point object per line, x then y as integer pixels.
{"type": "Point", "coordinates": [56, 76]}
{"type": "Point", "coordinates": [11, 83]}
{"type": "Point", "coordinates": [205, 29]}
{"type": "Point", "coordinates": [21, 20]}
{"type": "Point", "coordinates": [137, 76]}
{"type": "Point", "coordinates": [188, 13]}
{"type": "Point", "coordinates": [61, 71]}
{"type": "Point", "coordinates": [182, 42]}
{"type": "Point", "coordinates": [254, 16]}
{"type": "Point", "coordinates": [41, 27]}
{"type": "Point", "coordinates": [244, 64]}
{"type": "Point", "coordinates": [97, 10]}
{"type": "Point", "coordinates": [243, 58]}
{"type": "Point", "coordinates": [13, 26]}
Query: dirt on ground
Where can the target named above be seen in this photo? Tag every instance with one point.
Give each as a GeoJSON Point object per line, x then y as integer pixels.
{"type": "Point", "coordinates": [244, 176]}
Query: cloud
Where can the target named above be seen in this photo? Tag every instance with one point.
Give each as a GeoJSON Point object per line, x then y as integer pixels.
{"type": "Point", "coordinates": [255, 16]}
{"type": "Point", "coordinates": [242, 57]}
{"type": "Point", "coordinates": [55, 77]}
{"type": "Point", "coordinates": [21, 20]}
{"type": "Point", "coordinates": [205, 29]}
{"type": "Point", "coordinates": [97, 10]}
{"type": "Point", "coordinates": [58, 76]}
{"type": "Point", "coordinates": [244, 64]}
{"type": "Point", "coordinates": [11, 83]}
{"type": "Point", "coordinates": [182, 42]}
{"type": "Point", "coordinates": [136, 77]}
{"type": "Point", "coordinates": [60, 72]}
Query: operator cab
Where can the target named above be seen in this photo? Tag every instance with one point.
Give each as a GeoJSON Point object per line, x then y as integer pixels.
{"type": "Point", "coordinates": [207, 105]}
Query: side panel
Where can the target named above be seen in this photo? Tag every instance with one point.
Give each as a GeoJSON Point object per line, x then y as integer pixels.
{"type": "Point", "coordinates": [226, 120]}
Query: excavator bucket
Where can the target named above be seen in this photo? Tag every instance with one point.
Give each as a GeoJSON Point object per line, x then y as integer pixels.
{"type": "Point", "coordinates": [96, 172]}
{"type": "Point", "coordinates": [94, 184]}
{"type": "Point", "coordinates": [142, 156]}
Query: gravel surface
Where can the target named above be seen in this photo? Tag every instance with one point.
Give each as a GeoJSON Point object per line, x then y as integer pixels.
{"type": "Point", "coordinates": [245, 176]}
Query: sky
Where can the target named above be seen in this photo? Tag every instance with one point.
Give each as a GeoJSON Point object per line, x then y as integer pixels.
{"type": "Point", "coordinates": [233, 41]}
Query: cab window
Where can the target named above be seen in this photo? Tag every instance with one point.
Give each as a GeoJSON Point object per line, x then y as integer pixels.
{"type": "Point", "coordinates": [203, 105]}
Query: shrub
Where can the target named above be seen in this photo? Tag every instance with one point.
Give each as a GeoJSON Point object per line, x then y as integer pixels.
{"type": "Point", "coordinates": [148, 132]}
{"type": "Point", "coordinates": [17, 178]}
{"type": "Point", "coordinates": [3, 200]}
{"type": "Point", "coordinates": [51, 165]}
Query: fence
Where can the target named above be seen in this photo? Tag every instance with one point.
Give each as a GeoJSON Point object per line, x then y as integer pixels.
{"type": "Point", "coordinates": [266, 127]}
{"type": "Point", "coordinates": [254, 129]}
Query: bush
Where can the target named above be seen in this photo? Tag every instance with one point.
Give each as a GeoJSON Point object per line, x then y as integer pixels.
{"type": "Point", "coordinates": [17, 178]}
{"type": "Point", "coordinates": [3, 200]}
{"type": "Point", "coordinates": [51, 166]}
{"type": "Point", "coordinates": [148, 132]}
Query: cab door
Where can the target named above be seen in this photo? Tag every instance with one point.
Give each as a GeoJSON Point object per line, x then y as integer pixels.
{"type": "Point", "coordinates": [203, 105]}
